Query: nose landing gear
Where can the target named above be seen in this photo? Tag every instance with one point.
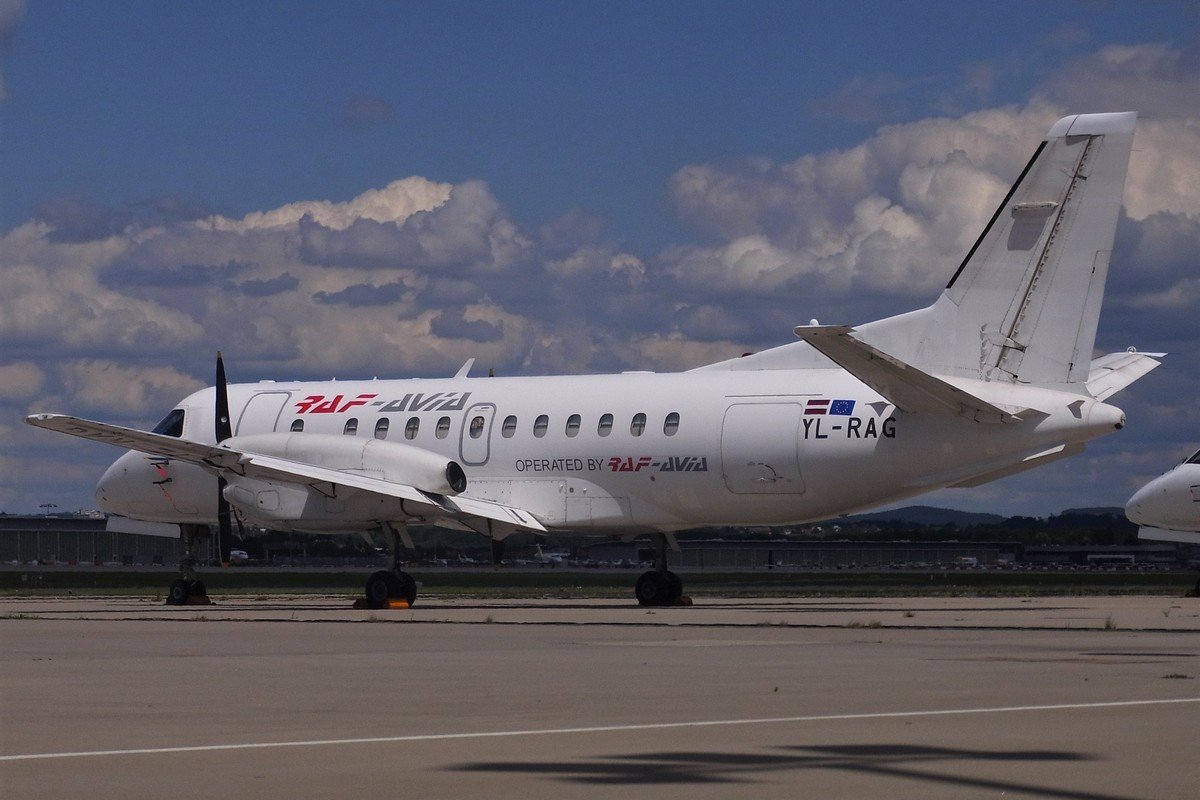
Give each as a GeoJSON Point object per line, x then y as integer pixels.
{"type": "Point", "coordinates": [387, 586]}
{"type": "Point", "coordinates": [187, 589]}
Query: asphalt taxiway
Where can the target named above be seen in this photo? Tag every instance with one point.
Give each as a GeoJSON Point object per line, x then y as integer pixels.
{"type": "Point", "coordinates": [303, 697]}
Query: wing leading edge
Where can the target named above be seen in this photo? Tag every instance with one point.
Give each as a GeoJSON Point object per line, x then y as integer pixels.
{"type": "Point", "coordinates": [224, 460]}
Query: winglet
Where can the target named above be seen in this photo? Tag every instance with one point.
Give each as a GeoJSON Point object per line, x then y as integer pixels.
{"type": "Point", "coordinates": [907, 387]}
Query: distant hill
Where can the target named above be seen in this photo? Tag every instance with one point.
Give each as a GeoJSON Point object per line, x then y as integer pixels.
{"type": "Point", "coordinates": [926, 515]}
{"type": "Point", "coordinates": [1103, 511]}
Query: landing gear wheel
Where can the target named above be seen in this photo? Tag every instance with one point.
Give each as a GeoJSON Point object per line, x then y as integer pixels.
{"type": "Point", "coordinates": [676, 587]}
{"type": "Point", "coordinates": [380, 587]}
{"type": "Point", "coordinates": [178, 594]}
{"type": "Point", "coordinates": [197, 589]}
{"type": "Point", "coordinates": [406, 588]}
{"type": "Point", "coordinates": [654, 588]}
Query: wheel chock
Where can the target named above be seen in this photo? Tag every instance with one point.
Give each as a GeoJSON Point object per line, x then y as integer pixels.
{"type": "Point", "coordinates": [198, 600]}
{"type": "Point", "coordinates": [684, 600]}
{"type": "Point", "coordinates": [391, 603]}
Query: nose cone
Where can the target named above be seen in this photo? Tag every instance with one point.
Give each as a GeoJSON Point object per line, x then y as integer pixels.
{"type": "Point", "coordinates": [1139, 509]}
{"type": "Point", "coordinates": [115, 491]}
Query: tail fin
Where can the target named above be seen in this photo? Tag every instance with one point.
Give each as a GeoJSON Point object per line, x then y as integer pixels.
{"type": "Point", "coordinates": [1024, 304]}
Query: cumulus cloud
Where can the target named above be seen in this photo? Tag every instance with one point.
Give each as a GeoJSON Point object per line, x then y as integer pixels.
{"type": "Point", "coordinates": [20, 380]}
{"type": "Point", "coordinates": [396, 202]}
{"type": "Point", "coordinates": [893, 214]}
{"type": "Point", "coordinates": [103, 386]}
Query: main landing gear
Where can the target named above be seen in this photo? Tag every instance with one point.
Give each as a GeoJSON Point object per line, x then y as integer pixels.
{"type": "Point", "coordinates": [187, 589]}
{"type": "Point", "coordinates": [393, 584]}
{"type": "Point", "coordinates": [660, 586]}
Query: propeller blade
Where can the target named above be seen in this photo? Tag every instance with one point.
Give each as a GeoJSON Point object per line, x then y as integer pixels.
{"type": "Point", "coordinates": [223, 430]}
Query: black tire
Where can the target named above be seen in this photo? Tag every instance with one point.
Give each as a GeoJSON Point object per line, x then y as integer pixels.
{"type": "Point", "coordinates": [652, 589]}
{"type": "Point", "coordinates": [675, 584]}
{"type": "Point", "coordinates": [177, 594]}
{"type": "Point", "coordinates": [379, 588]}
{"type": "Point", "coordinates": [197, 589]}
{"type": "Point", "coordinates": [407, 589]}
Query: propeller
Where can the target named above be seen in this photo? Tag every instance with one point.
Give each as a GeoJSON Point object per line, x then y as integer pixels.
{"type": "Point", "coordinates": [223, 430]}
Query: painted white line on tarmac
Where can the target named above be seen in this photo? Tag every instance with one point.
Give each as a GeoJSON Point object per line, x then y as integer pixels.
{"type": "Point", "coordinates": [653, 726]}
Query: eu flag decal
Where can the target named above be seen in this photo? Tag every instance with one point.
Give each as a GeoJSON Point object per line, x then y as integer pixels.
{"type": "Point", "coordinates": [841, 408]}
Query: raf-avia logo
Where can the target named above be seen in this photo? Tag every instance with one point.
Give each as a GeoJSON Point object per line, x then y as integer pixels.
{"type": "Point", "coordinates": [419, 401]}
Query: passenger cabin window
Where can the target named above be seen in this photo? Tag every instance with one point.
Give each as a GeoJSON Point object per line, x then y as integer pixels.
{"type": "Point", "coordinates": [509, 428]}
{"type": "Point", "coordinates": [638, 425]}
{"type": "Point", "coordinates": [573, 423]}
{"type": "Point", "coordinates": [171, 425]}
{"type": "Point", "coordinates": [540, 425]}
{"type": "Point", "coordinates": [381, 428]}
{"type": "Point", "coordinates": [604, 428]}
{"type": "Point", "coordinates": [476, 429]}
{"type": "Point", "coordinates": [443, 428]}
{"type": "Point", "coordinates": [411, 427]}
{"type": "Point", "coordinates": [297, 425]}
{"type": "Point", "coordinates": [351, 427]}
{"type": "Point", "coordinates": [671, 423]}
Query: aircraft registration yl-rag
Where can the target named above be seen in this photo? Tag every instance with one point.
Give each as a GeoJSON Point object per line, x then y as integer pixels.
{"type": "Point", "coordinates": [994, 378]}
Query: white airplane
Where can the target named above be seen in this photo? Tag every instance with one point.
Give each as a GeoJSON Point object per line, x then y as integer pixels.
{"type": "Point", "coordinates": [997, 376]}
{"type": "Point", "coordinates": [1168, 507]}
{"type": "Point", "coordinates": [548, 559]}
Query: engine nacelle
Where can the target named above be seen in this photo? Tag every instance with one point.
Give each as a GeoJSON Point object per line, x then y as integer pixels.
{"type": "Point", "coordinates": [374, 458]}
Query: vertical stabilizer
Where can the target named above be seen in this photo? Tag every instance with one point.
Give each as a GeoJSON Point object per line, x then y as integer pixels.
{"type": "Point", "coordinates": [1024, 304]}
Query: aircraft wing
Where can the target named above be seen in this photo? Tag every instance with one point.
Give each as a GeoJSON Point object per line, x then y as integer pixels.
{"type": "Point", "coordinates": [1111, 373]}
{"type": "Point", "coordinates": [228, 461]}
{"type": "Point", "coordinates": [907, 387]}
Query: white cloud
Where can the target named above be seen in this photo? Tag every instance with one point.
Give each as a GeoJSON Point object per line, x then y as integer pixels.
{"type": "Point", "coordinates": [396, 202]}
{"type": "Point", "coordinates": [20, 380]}
{"type": "Point", "coordinates": [109, 387]}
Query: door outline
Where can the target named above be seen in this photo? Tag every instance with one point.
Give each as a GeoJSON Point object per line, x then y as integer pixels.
{"type": "Point", "coordinates": [476, 452]}
{"type": "Point", "coordinates": [264, 399]}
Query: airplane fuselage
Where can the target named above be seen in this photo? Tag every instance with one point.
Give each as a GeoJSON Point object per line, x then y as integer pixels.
{"type": "Point", "coordinates": [630, 452]}
{"type": "Point", "coordinates": [1168, 507]}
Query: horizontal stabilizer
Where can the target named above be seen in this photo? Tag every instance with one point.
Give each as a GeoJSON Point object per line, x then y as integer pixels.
{"type": "Point", "coordinates": [228, 462]}
{"type": "Point", "coordinates": [1111, 373]}
{"type": "Point", "coordinates": [907, 387]}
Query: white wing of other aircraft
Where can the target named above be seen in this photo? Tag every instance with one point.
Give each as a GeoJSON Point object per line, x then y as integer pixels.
{"type": "Point", "coordinates": [995, 377]}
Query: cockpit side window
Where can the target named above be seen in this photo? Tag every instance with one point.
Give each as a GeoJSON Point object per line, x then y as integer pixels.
{"type": "Point", "coordinates": [172, 424]}
{"type": "Point", "coordinates": [1195, 459]}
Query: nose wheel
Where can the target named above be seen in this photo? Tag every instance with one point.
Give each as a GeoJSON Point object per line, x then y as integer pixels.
{"type": "Point", "coordinates": [187, 589]}
{"type": "Point", "coordinates": [393, 584]}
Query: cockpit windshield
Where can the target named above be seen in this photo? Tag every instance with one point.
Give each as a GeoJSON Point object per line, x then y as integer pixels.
{"type": "Point", "coordinates": [1195, 459]}
{"type": "Point", "coordinates": [172, 424]}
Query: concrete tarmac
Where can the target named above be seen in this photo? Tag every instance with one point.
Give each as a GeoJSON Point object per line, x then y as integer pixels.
{"type": "Point", "coordinates": [1091, 698]}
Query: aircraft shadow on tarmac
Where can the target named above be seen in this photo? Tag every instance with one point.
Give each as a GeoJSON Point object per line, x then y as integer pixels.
{"type": "Point", "coordinates": [901, 761]}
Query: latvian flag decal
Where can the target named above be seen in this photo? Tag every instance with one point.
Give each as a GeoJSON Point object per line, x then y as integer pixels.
{"type": "Point", "coordinates": [836, 408]}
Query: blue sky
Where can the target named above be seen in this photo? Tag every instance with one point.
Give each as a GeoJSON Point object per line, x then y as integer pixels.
{"type": "Point", "coordinates": [603, 163]}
